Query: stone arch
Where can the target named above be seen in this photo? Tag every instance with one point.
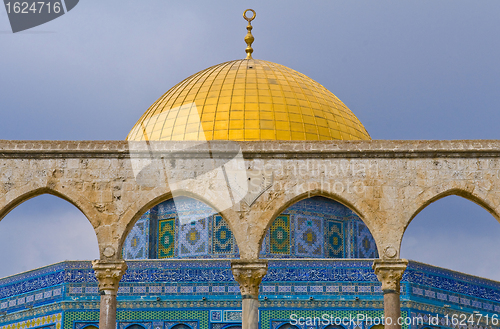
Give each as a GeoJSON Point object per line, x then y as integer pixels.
{"type": "Point", "coordinates": [133, 214]}
{"type": "Point", "coordinates": [24, 194]}
{"type": "Point", "coordinates": [439, 192]}
{"type": "Point", "coordinates": [155, 197]}
{"type": "Point", "coordinates": [436, 193]}
{"type": "Point", "coordinates": [288, 201]}
{"type": "Point", "coordinates": [444, 229]}
{"type": "Point", "coordinates": [137, 209]}
{"type": "Point", "coordinates": [72, 235]}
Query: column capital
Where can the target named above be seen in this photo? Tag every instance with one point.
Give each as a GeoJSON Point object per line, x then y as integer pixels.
{"type": "Point", "coordinates": [249, 274]}
{"type": "Point", "coordinates": [109, 274]}
{"type": "Point", "coordinates": [390, 272]}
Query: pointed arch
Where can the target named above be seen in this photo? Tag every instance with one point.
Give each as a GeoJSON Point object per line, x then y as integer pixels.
{"type": "Point", "coordinates": [207, 222]}
{"type": "Point", "coordinates": [21, 195]}
{"type": "Point", "coordinates": [281, 205]}
{"type": "Point", "coordinates": [453, 224]}
{"type": "Point", "coordinates": [290, 222]}
{"type": "Point", "coordinates": [49, 228]}
{"type": "Point", "coordinates": [436, 193]}
{"type": "Point", "coordinates": [156, 197]}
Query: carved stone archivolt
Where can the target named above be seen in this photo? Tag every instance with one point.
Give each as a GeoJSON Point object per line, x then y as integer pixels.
{"type": "Point", "coordinates": [109, 274]}
{"type": "Point", "coordinates": [249, 274]}
{"type": "Point", "coordinates": [390, 272]}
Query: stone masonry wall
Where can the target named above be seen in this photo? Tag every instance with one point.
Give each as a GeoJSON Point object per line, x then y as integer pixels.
{"type": "Point", "coordinates": [385, 182]}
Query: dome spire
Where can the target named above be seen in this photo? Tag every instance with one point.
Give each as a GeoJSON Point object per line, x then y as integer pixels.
{"type": "Point", "coordinates": [249, 37]}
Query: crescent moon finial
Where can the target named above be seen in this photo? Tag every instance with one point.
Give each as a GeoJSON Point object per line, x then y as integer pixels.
{"type": "Point", "coordinates": [249, 39]}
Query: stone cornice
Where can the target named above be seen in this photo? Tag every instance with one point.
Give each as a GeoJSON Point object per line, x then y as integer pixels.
{"type": "Point", "coordinates": [259, 149]}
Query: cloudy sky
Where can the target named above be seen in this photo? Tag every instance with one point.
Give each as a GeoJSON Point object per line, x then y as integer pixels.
{"type": "Point", "coordinates": [408, 70]}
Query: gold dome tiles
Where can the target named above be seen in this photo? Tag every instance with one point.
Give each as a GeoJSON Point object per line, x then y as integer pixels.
{"type": "Point", "coordinates": [248, 100]}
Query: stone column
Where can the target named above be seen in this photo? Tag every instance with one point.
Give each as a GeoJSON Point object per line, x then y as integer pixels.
{"type": "Point", "coordinates": [108, 275]}
{"type": "Point", "coordinates": [390, 272]}
{"type": "Point", "coordinates": [249, 274]}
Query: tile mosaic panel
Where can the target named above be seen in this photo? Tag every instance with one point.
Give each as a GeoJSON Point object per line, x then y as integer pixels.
{"type": "Point", "coordinates": [322, 221]}
{"type": "Point", "coordinates": [275, 318]}
{"type": "Point", "coordinates": [300, 288]}
{"type": "Point", "coordinates": [166, 238]}
{"type": "Point", "coordinates": [218, 289]}
{"type": "Point", "coordinates": [232, 316]}
{"type": "Point", "coordinates": [171, 290]}
{"type": "Point", "coordinates": [81, 325]}
{"type": "Point", "coordinates": [197, 233]}
{"type": "Point", "coordinates": [317, 289]}
{"type": "Point", "coordinates": [216, 316]}
{"type": "Point", "coordinates": [181, 325]}
{"type": "Point", "coordinates": [192, 317]}
{"type": "Point", "coordinates": [136, 244]}
{"type": "Point", "coordinates": [308, 236]}
{"type": "Point", "coordinates": [195, 319]}
{"type": "Point", "coordinates": [421, 274]}
{"type": "Point", "coordinates": [285, 277]}
{"type": "Point", "coordinates": [45, 277]}
{"type": "Point", "coordinates": [280, 235]}
{"type": "Point", "coordinates": [193, 238]}
{"type": "Point", "coordinates": [202, 289]}
{"type": "Point", "coordinates": [142, 325]}
{"type": "Point", "coordinates": [322, 205]}
{"type": "Point", "coordinates": [233, 289]}
{"type": "Point", "coordinates": [155, 289]}
{"type": "Point", "coordinates": [366, 247]}
{"type": "Point", "coordinates": [311, 228]}
{"type": "Point", "coordinates": [334, 239]}
{"type": "Point", "coordinates": [50, 320]}
{"type": "Point", "coordinates": [332, 289]}
{"type": "Point", "coordinates": [187, 208]}
{"type": "Point", "coordinates": [223, 240]}
{"type": "Point", "coordinates": [268, 289]}
{"type": "Point", "coordinates": [264, 249]}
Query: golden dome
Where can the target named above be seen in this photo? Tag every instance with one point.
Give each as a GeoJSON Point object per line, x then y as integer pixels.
{"type": "Point", "coordinates": [244, 100]}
